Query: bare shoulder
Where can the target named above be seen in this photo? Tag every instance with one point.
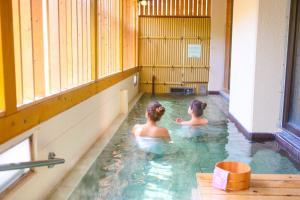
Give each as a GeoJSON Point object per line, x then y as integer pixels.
{"type": "Point", "coordinates": [204, 121]}
{"type": "Point", "coordinates": [164, 132]}
{"type": "Point", "coordinates": [135, 128]}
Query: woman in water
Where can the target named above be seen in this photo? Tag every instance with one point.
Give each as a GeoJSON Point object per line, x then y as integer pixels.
{"type": "Point", "coordinates": [195, 110]}
{"type": "Point", "coordinates": [153, 114]}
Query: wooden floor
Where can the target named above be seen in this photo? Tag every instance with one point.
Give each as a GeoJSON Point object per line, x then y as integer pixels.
{"type": "Point", "coordinates": [263, 187]}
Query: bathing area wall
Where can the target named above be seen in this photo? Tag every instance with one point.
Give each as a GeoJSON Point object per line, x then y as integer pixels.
{"type": "Point", "coordinates": [70, 134]}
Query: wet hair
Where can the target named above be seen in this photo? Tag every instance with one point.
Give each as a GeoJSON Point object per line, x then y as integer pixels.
{"type": "Point", "coordinates": [197, 107]}
{"type": "Point", "coordinates": [155, 111]}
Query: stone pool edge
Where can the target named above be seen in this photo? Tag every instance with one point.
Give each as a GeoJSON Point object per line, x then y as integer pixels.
{"type": "Point", "coordinates": [66, 187]}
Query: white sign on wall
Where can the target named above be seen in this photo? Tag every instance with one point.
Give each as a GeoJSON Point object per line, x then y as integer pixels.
{"type": "Point", "coordinates": [194, 50]}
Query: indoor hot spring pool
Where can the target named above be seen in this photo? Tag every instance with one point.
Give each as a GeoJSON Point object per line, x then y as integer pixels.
{"type": "Point", "coordinates": [128, 169]}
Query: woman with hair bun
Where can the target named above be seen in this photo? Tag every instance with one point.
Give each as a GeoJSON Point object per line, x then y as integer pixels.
{"type": "Point", "coordinates": [150, 129]}
{"type": "Point", "coordinates": [195, 110]}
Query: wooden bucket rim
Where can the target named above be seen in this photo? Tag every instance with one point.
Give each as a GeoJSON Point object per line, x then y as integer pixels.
{"type": "Point", "coordinates": [247, 167]}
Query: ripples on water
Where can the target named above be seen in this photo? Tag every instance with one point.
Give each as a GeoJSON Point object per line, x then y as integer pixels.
{"type": "Point", "coordinates": [126, 171]}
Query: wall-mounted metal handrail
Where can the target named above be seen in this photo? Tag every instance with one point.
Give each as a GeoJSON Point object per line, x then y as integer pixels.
{"type": "Point", "coordinates": [51, 162]}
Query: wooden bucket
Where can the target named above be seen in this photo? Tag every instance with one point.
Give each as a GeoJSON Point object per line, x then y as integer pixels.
{"type": "Point", "coordinates": [239, 175]}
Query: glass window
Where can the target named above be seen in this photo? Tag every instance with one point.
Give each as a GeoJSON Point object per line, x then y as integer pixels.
{"type": "Point", "coordinates": [18, 153]}
{"type": "Point", "coordinates": [52, 46]}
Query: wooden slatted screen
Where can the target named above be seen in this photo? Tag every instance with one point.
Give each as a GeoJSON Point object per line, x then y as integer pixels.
{"type": "Point", "coordinates": [48, 46]}
{"type": "Point", "coordinates": [52, 45]}
{"type": "Point", "coordinates": [163, 52]}
{"type": "Point", "coordinates": [129, 34]}
{"type": "Point", "coordinates": [109, 17]}
{"type": "Point", "coordinates": [176, 8]}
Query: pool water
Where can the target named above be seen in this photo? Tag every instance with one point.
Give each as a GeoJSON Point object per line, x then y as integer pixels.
{"type": "Point", "coordinates": [125, 171]}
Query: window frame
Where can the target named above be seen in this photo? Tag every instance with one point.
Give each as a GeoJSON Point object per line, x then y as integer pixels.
{"type": "Point", "coordinates": [293, 24]}
{"type": "Point", "coordinates": [26, 175]}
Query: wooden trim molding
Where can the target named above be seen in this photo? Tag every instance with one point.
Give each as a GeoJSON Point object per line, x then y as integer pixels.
{"type": "Point", "coordinates": [25, 119]}
{"type": "Point", "coordinates": [253, 136]}
{"type": "Point", "coordinates": [7, 57]}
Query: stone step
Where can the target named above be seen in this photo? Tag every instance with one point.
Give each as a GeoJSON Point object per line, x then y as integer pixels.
{"type": "Point", "coordinates": [290, 143]}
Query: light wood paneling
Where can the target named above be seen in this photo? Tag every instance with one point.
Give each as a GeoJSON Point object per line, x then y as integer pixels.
{"type": "Point", "coordinates": [129, 34]}
{"type": "Point", "coordinates": [17, 50]}
{"type": "Point", "coordinates": [63, 44]}
{"type": "Point", "coordinates": [38, 48]}
{"type": "Point", "coordinates": [51, 46]}
{"type": "Point", "coordinates": [26, 50]}
{"type": "Point", "coordinates": [17, 123]}
{"type": "Point", "coordinates": [263, 186]}
{"type": "Point", "coordinates": [163, 52]}
{"type": "Point", "coordinates": [195, 8]}
{"type": "Point", "coordinates": [109, 41]}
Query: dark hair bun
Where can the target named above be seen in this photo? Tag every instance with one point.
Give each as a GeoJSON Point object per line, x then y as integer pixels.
{"type": "Point", "coordinates": [160, 110]}
{"type": "Point", "coordinates": [197, 107]}
{"type": "Point", "coordinates": [155, 111]}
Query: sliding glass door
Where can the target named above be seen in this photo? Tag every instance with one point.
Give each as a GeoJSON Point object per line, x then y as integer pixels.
{"type": "Point", "coordinates": [291, 118]}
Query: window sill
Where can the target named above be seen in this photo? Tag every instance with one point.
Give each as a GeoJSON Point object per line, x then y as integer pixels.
{"type": "Point", "coordinates": [19, 183]}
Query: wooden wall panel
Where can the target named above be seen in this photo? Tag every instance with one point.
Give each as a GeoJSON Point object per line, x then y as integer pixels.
{"type": "Point", "coordinates": [63, 44]}
{"type": "Point", "coordinates": [52, 45]}
{"type": "Point", "coordinates": [38, 48]}
{"type": "Point", "coordinates": [17, 50]}
{"type": "Point", "coordinates": [69, 42]}
{"type": "Point", "coordinates": [194, 8]}
{"type": "Point", "coordinates": [163, 52]}
{"type": "Point", "coordinates": [129, 34]}
{"type": "Point", "coordinates": [109, 37]}
{"type": "Point", "coordinates": [26, 51]}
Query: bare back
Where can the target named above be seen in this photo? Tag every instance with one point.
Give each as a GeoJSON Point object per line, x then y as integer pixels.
{"type": "Point", "coordinates": [145, 130]}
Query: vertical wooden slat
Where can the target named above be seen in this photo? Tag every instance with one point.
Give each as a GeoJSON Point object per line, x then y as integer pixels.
{"type": "Point", "coordinates": [89, 44]}
{"type": "Point", "coordinates": [17, 50]}
{"type": "Point", "coordinates": [92, 42]}
{"type": "Point", "coordinates": [146, 10]}
{"type": "Point", "coordinates": [194, 7]}
{"type": "Point", "coordinates": [111, 40]}
{"type": "Point", "coordinates": [69, 42]}
{"type": "Point", "coordinates": [7, 59]}
{"type": "Point", "coordinates": [203, 7]}
{"type": "Point", "coordinates": [118, 36]}
{"type": "Point", "coordinates": [79, 41]}
{"type": "Point", "coordinates": [121, 29]}
{"type": "Point", "coordinates": [53, 32]}
{"type": "Point", "coordinates": [106, 29]}
{"type": "Point", "coordinates": [209, 8]}
{"type": "Point", "coordinates": [99, 35]}
{"type": "Point", "coordinates": [186, 7]}
{"type": "Point", "coordinates": [162, 7]}
{"type": "Point", "coordinates": [38, 48]}
{"type": "Point", "coordinates": [190, 5]}
{"type": "Point", "coordinates": [74, 43]}
{"type": "Point", "coordinates": [84, 41]}
{"type": "Point", "coordinates": [149, 7]}
{"type": "Point", "coordinates": [63, 44]}
{"type": "Point", "coordinates": [167, 13]}
{"type": "Point", "coordinates": [180, 8]}
{"type": "Point", "coordinates": [26, 51]}
{"type": "Point", "coordinates": [174, 4]}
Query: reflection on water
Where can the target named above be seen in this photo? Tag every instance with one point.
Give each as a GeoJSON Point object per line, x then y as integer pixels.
{"type": "Point", "coordinates": [134, 169]}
